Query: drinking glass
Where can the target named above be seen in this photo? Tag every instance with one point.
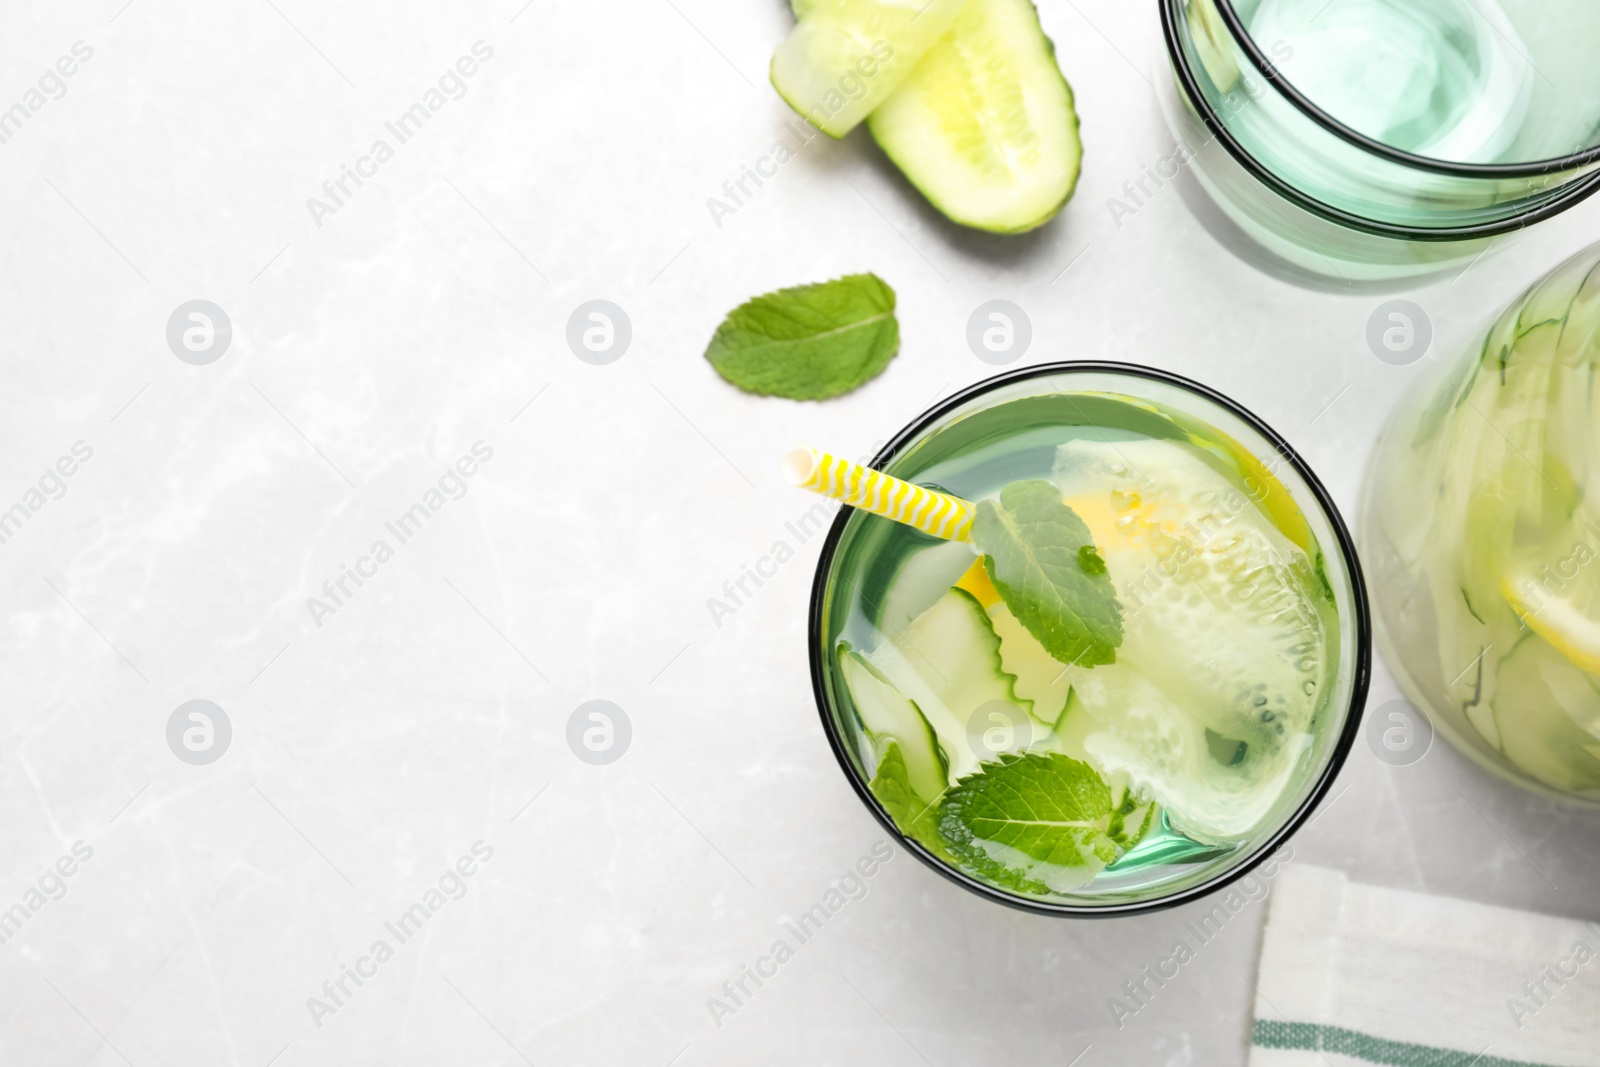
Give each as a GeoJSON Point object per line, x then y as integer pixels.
{"type": "Point", "coordinates": [1376, 140]}
{"type": "Point", "coordinates": [1010, 428]}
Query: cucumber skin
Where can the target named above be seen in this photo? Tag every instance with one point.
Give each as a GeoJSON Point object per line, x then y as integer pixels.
{"type": "Point", "coordinates": [795, 107]}
{"type": "Point", "coordinates": [892, 662]}
{"type": "Point", "coordinates": [917, 732]}
{"type": "Point", "coordinates": [1072, 186]}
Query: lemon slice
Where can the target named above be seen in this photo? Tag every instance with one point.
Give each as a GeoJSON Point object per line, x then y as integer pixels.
{"type": "Point", "coordinates": [1560, 599]}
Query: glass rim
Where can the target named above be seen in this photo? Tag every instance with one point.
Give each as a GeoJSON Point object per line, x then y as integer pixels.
{"type": "Point", "coordinates": [1579, 190]}
{"type": "Point", "coordinates": [1360, 673]}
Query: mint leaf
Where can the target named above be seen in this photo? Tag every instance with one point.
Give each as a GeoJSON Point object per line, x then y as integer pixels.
{"type": "Point", "coordinates": [1043, 562]}
{"type": "Point", "coordinates": [1034, 822]}
{"type": "Point", "coordinates": [917, 818]}
{"type": "Point", "coordinates": [809, 342]}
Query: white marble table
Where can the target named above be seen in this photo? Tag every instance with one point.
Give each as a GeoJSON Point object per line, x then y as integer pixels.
{"type": "Point", "coordinates": [376, 341]}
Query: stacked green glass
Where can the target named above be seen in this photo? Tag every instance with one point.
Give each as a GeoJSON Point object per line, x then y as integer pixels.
{"type": "Point", "coordinates": [1369, 140]}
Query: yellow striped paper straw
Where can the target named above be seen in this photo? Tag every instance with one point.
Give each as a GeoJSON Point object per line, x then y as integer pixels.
{"type": "Point", "coordinates": [938, 514]}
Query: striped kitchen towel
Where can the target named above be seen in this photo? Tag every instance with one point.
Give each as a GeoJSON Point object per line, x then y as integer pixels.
{"type": "Point", "coordinates": [1353, 975]}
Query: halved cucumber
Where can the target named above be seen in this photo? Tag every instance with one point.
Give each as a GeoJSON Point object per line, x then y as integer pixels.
{"type": "Point", "coordinates": [845, 57]}
{"type": "Point", "coordinates": [887, 715]}
{"type": "Point", "coordinates": [985, 125]}
{"type": "Point", "coordinates": [947, 662]}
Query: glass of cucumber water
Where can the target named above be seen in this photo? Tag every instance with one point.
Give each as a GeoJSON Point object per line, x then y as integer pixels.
{"type": "Point", "coordinates": [1133, 681]}
{"type": "Point", "coordinates": [1482, 526]}
{"type": "Point", "coordinates": [1372, 140]}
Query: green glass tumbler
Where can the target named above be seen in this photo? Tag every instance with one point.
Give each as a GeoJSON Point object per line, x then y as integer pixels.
{"type": "Point", "coordinates": [1376, 140]}
{"type": "Point", "coordinates": [910, 675]}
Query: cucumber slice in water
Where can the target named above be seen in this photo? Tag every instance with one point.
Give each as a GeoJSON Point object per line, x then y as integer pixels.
{"type": "Point", "coordinates": [1209, 705]}
{"type": "Point", "coordinates": [1537, 686]}
{"type": "Point", "coordinates": [923, 578]}
{"type": "Point", "coordinates": [948, 663]}
{"type": "Point", "coordinates": [1144, 732]}
{"type": "Point", "coordinates": [845, 57]}
{"type": "Point", "coordinates": [888, 715]}
{"type": "Point", "coordinates": [985, 126]}
{"type": "Point", "coordinates": [1041, 679]}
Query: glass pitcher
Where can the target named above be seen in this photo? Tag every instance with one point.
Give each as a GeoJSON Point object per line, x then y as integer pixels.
{"type": "Point", "coordinates": [1482, 534]}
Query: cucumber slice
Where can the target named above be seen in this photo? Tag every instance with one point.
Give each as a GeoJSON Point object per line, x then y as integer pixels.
{"type": "Point", "coordinates": [924, 577]}
{"type": "Point", "coordinates": [947, 662]}
{"type": "Point", "coordinates": [1042, 679]}
{"type": "Point", "coordinates": [1542, 710]}
{"type": "Point", "coordinates": [1073, 729]}
{"type": "Point", "coordinates": [888, 716]}
{"type": "Point", "coordinates": [1209, 705]}
{"type": "Point", "coordinates": [1169, 754]}
{"type": "Point", "coordinates": [985, 126]}
{"type": "Point", "coordinates": [1220, 609]}
{"type": "Point", "coordinates": [845, 57]}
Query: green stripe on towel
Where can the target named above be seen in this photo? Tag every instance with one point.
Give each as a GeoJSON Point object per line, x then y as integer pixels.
{"type": "Point", "coordinates": [1312, 1037]}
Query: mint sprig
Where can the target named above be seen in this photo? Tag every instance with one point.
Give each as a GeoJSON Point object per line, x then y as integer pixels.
{"type": "Point", "coordinates": [809, 342]}
{"type": "Point", "coordinates": [1034, 822]}
{"type": "Point", "coordinates": [1041, 558]}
